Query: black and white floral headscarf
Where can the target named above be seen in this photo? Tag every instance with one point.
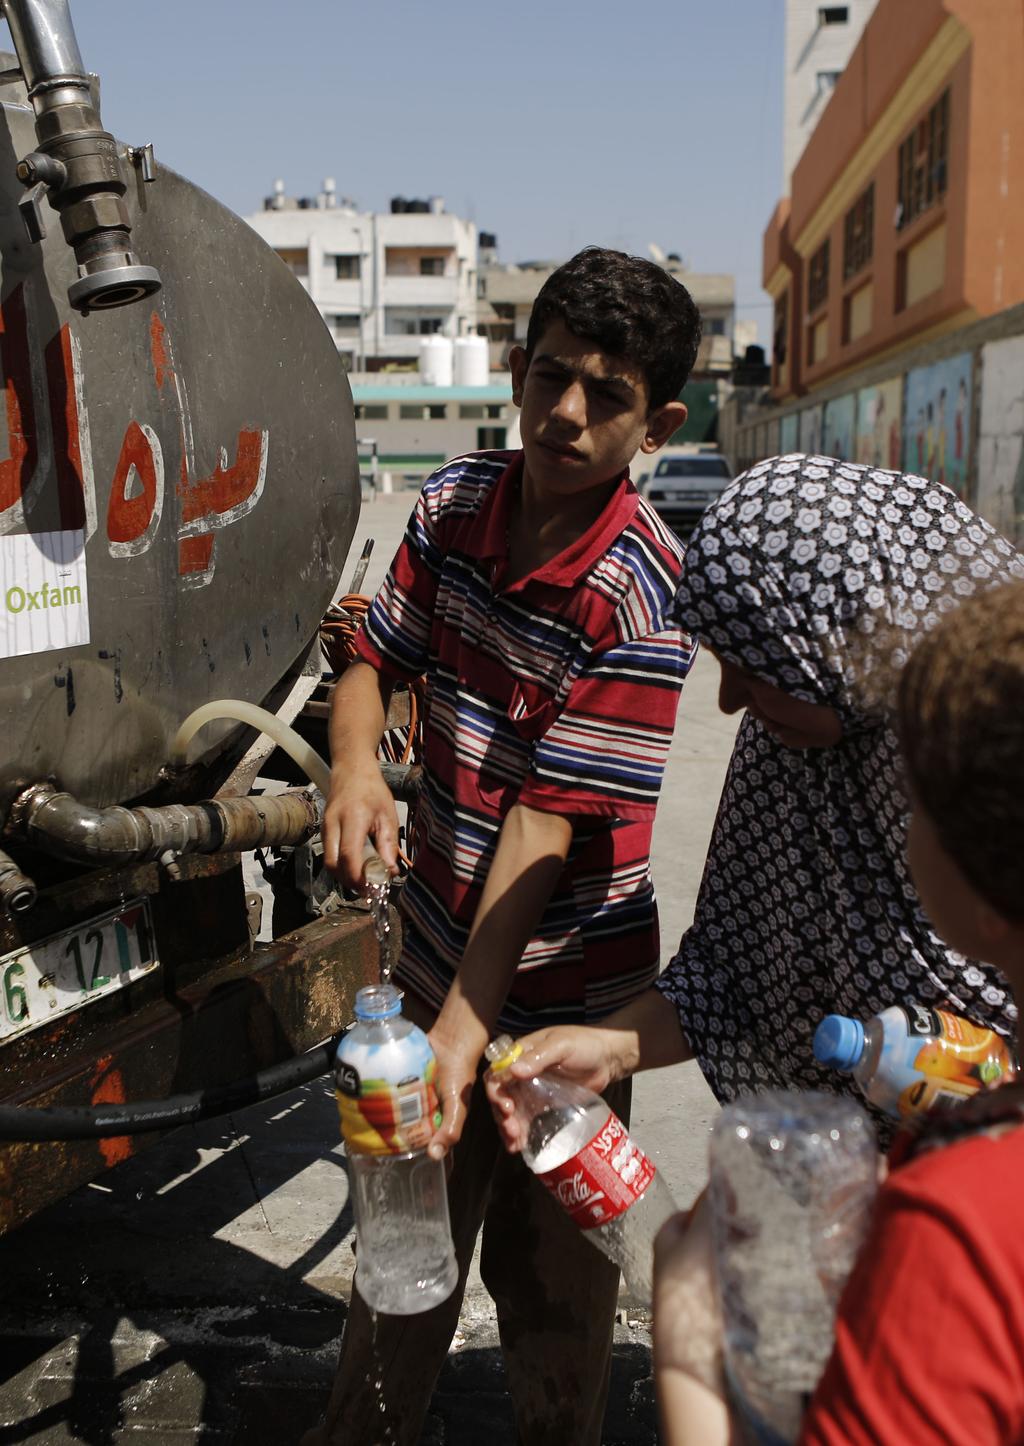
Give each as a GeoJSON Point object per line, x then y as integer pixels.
{"type": "Point", "coordinates": [806, 906]}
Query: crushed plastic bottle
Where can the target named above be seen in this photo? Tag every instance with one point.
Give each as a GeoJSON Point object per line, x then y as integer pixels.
{"type": "Point", "coordinates": [793, 1180]}
{"type": "Point", "coordinates": [583, 1153]}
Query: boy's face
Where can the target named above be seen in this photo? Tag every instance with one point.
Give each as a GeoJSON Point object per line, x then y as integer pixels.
{"type": "Point", "coordinates": [585, 413]}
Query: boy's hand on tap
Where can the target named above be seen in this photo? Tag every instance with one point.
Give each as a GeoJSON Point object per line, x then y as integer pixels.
{"type": "Point", "coordinates": [359, 807]}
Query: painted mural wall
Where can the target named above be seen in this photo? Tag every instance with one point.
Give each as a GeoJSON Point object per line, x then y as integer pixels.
{"type": "Point", "coordinates": [810, 430]}
{"type": "Point", "coordinates": [879, 439]}
{"type": "Point", "coordinates": [937, 421]}
{"type": "Point", "coordinates": [839, 427]}
{"type": "Point", "coordinates": [1001, 436]}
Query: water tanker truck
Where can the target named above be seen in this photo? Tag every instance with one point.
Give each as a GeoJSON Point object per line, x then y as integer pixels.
{"type": "Point", "coordinates": [178, 491]}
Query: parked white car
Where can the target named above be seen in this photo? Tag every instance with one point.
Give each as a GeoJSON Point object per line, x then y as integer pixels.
{"type": "Point", "coordinates": [683, 484]}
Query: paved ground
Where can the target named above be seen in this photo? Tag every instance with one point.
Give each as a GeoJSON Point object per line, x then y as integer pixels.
{"type": "Point", "coordinates": [197, 1293]}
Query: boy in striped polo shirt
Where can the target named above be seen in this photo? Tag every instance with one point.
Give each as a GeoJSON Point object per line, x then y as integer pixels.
{"type": "Point", "coordinates": [532, 590]}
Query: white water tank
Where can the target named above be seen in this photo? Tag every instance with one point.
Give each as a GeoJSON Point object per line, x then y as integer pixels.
{"type": "Point", "coordinates": [436, 361]}
{"type": "Point", "coordinates": [472, 361]}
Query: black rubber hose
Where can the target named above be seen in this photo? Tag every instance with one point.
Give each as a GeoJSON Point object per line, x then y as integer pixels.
{"type": "Point", "coordinates": [82, 1122]}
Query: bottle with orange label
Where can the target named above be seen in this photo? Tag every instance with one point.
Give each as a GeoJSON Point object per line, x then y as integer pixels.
{"type": "Point", "coordinates": [384, 1078]}
{"type": "Point", "coordinates": [910, 1058]}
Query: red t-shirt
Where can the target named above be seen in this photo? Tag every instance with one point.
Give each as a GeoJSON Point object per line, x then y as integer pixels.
{"type": "Point", "coordinates": [930, 1335]}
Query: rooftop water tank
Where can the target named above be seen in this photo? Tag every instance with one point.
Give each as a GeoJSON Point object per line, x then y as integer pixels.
{"type": "Point", "coordinates": [472, 361]}
{"type": "Point", "coordinates": [436, 361]}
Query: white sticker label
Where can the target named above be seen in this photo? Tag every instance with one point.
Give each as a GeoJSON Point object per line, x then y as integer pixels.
{"type": "Point", "coordinates": [44, 603]}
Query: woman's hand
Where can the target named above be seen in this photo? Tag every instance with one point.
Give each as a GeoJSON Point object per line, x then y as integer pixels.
{"type": "Point", "coordinates": [688, 1333]}
{"type": "Point", "coordinates": [588, 1056]}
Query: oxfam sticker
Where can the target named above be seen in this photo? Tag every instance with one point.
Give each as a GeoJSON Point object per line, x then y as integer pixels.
{"type": "Point", "coordinates": [44, 602]}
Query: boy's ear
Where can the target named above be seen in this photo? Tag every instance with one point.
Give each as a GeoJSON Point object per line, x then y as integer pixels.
{"type": "Point", "coordinates": [661, 424]}
{"type": "Point", "coordinates": [517, 365]}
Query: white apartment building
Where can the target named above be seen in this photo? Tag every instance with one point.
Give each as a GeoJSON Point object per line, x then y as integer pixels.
{"type": "Point", "coordinates": [819, 42]}
{"type": "Point", "coordinates": [381, 281]}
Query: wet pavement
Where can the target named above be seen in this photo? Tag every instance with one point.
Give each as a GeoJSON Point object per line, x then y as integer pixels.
{"type": "Point", "coordinates": [197, 1292]}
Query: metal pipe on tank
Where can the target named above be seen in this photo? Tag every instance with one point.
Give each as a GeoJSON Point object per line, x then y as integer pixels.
{"type": "Point", "coordinates": [62, 825]}
{"type": "Point", "coordinates": [17, 891]}
{"type": "Point", "coordinates": [44, 38]}
{"type": "Point", "coordinates": [76, 165]}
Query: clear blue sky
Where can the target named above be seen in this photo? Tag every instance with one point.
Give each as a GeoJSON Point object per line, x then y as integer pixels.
{"type": "Point", "coordinates": [552, 124]}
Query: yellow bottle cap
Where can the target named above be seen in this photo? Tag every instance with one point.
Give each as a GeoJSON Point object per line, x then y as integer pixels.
{"type": "Point", "coordinates": [502, 1052]}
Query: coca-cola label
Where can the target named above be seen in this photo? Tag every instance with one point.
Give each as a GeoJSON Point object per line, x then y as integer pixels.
{"type": "Point", "coordinates": [606, 1177]}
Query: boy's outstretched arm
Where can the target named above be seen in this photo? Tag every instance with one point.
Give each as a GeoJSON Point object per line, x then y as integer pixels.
{"type": "Point", "coordinates": [528, 860]}
{"type": "Point", "coordinates": [359, 805]}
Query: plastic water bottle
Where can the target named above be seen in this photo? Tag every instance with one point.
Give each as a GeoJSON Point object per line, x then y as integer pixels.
{"type": "Point", "coordinates": [909, 1058]}
{"type": "Point", "coordinates": [793, 1178]}
{"type": "Point", "coordinates": [581, 1150]}
{"type": "Point", "coordinates": [384, 1075]}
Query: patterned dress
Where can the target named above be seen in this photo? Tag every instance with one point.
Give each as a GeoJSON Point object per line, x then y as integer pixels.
{"type": "Point", "coordinates": [806, 906]}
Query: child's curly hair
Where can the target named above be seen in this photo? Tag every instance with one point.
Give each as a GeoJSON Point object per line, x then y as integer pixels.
{"type": "Point", "coordinates": [961, 723]}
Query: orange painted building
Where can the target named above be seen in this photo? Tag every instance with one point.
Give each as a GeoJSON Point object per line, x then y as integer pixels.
{"type": "Point", "coordinates": [906, 219]}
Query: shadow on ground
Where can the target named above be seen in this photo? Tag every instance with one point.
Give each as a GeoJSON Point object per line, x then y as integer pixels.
{"type": "Point", "coordinates": [196, 1293]}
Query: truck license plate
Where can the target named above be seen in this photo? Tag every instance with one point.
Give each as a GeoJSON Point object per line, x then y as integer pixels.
{"type": "Point", "coordinates": [42, 981]}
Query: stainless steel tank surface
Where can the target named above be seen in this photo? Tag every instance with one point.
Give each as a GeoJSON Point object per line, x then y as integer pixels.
{"type": "Point", "coordinates": [178, 487]}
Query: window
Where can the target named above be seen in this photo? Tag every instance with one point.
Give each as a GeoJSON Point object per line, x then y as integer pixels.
{"type": "Point", "coordinates": [347, 268]}
{"type": "Point", "coordinates": [431, 265]}
{"type": "Point", "coordinates": [702, 466]}
{"type": "Point", "coordinates": [490, 438]}
{"type": "Point", "coordinates": [923, 163]}
{"type": "Point", "coordinates": [780, 334]}
{"type": "Point", "coordinates": [833, 14]}
{"type": "Point", "coordinates": [471, 412]}
{"type": "Point", "coordinates": [296, 258]}
{"type": "Point", "coordinates": [411, 325]}
{"type": "Point", "coordinates": [714, 326]}
{"type": "Point", "coordinates": [817, 278]}
{"type": "Point", "coordinates": [826, 80]}
{"type": "Point", "coordinates": [345, 324]}
{"type": "Point", "coordinates": [858, 234]}
{"type": "Point", "coordinates": [371, 412]}
{"type": "Point", "coordinates": [417, 412]}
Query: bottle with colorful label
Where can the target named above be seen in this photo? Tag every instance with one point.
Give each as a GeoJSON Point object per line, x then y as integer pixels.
{"type": "Point", "coordinates": [384, 1077]}
{"type": "Point", "coordinates": [911, 1058]}
{"type": "Point", "coordinates": [583, 1153]}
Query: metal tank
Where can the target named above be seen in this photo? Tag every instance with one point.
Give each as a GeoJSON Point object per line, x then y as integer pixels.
{"type": "Point", "coordinates": [178, 490]}
{"type": "Point", "coordinates": [178, 484]}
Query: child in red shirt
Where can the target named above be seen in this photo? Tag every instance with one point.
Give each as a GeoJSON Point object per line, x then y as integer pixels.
{"type": "Point", "coordinates": [930, 1333]}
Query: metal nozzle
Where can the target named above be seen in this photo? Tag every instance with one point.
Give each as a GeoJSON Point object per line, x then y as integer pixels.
{"type": "Point", "coordinates": [76, 166]}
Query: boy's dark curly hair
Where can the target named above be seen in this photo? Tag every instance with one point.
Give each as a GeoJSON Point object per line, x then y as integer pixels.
{"type": "Point", "coordinates": [961, 724]}
{"type": "Point", "coordinates": [630, 308]}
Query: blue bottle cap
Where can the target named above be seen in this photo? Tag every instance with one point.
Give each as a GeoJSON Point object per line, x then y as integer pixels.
{"type": "Point", "coordinates": [378, 1001]}
{"type": "Point", "coordinates": [839, 1041]}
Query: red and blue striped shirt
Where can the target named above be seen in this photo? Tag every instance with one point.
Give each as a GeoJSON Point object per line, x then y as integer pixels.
{"type": "Point", "coordinates": [558, 692]}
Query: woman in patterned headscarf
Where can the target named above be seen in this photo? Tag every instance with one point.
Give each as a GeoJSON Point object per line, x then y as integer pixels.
{"type": "Point", "coordinates": [802, 573]}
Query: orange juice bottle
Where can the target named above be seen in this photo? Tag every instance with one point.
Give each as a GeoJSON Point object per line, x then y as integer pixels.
{"type": "Point", "coordinates": [911, 1058]}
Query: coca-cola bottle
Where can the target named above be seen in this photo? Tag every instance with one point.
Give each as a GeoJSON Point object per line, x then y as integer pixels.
{"type": "Point", "coordinates": [583, 1153]}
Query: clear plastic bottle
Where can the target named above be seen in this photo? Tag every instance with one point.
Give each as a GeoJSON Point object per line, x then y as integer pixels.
{"type": "Point", "coordinates": [384, 1075]}
{"type": "Point", "coordinates": [910, 1058]}
{"type": "Point", "coordinates": [793, 1179]}
{"type": "Point", "coordinates": [583, 1153]}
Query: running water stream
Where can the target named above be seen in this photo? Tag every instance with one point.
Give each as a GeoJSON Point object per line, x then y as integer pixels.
{"type": "Point", "coordinates": [377, 891]}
